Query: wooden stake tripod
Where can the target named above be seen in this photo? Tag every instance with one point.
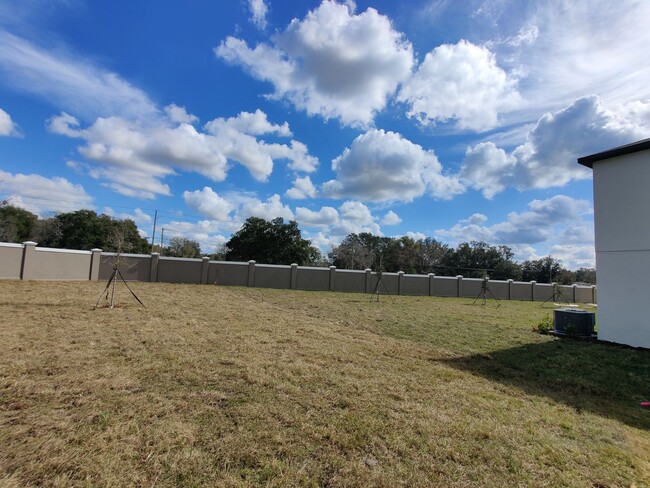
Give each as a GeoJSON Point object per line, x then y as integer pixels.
{"type": "Point", "coordinates": [556, 296]}
{"type": "Point", "coordinates": [111, 281]}
{"type": "Point", "coordinates": [380, 281]}
{"type": "Point", "coordinates": [485, 289]}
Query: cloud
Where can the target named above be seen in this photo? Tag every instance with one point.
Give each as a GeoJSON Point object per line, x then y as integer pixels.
{"type": "Point", "coordinates": [41, 195]}
{"type": "Point", "coordinates": [179, 115]}
{"type": "Point", "coordinates": [69, 81]}
{"type": "Point", "coordinates": [205, 232]}
{"type": "Point", "coordinates": [142, 219]}
{"type": "Point", "coordinates": [384, 166]}
{"type": "Point", "coordinates": [7, 126]}
{"type": "Point", "coordinates": [461, 82]}
{"type": "Point", "coordinates": [333, 63]}
{"type": "Point", "coordinates": [391, 218]}
{"type": "Point", "coordinates": [268, 210]}
{"type": "Point", "coordinates": [302, 188]}
{"type": "Point", "coordinates": [574, 256]}
{"type": "Point", "coordinates": [209, 203]}
{"type": "Point", "coordinates": [326, 216]}
{"type": "Point", "coordinates": [416, 236]}
{"type": "Point", "coordinates": [134, 156]}
{"type": "Point", "coordinates": [544, 220]}
{"type": "Point", "coordinates": [258, 10]}
{"type": "Point", "coordinates": [548, 158]}
{"type": "Point", "coordinates": [356, 218]}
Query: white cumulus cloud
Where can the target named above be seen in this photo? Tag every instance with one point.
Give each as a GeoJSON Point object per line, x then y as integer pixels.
{"type": "Point", "coordinates": [326, 216]}
{"type": "Point", "coordinates": [460, 82]}
{"type": "Point", "coordinates": [333, 63]}
{"type": "Point", "coordinates": [40, 195]}
{"type": "Point", "coordinates": [391, 218]}
{"type": "Point", "coordinates": [302, 188]}
{"type": "Point", "coordinates": [135, 156]}
{"type": "Point", "coordinates": [7, 126]}
{"type": "Point", "coordinates": [268, 210]}
{"type": "Point", "coordinates": [258, 10]}
{"type": "Point", "coordinates": [546, 222]}
{"type": "Point", "coordinates": [549, 156]}
{"type": "Point", "coordinates": [384, 166]}
{"type": "Point", "coordinates": [208, 203]}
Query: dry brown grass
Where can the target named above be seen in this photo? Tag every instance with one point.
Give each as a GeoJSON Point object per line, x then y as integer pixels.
{"type": "Point", "coordinates": [235, 387]}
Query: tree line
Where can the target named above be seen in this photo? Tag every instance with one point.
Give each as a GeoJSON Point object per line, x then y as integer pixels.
{"type": "Point", "coordinates": [277, 242]}
{"type": "Point", "coordinates": [474, 259]}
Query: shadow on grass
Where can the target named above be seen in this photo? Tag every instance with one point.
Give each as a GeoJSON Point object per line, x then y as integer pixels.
{"type": "Point", "coordinates": [605, 379]}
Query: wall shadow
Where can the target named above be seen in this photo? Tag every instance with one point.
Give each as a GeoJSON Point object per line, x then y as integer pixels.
{"type": "Point", "coordinates": [605, 379]}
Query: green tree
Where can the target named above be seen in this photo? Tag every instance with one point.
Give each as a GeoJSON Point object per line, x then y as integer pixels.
{"type": "Point", "coordinates": [430, 255]}
{"type": "Point", "coordinates": [181, 247]}
{"type": "Point", "coordinates": [545, 270]}
{"type": "Point", "coordinates": [16, 224]}
{"type": "Point", "coordinates": [84, 229]}
{"type": "Point", "coordinates": [271, 242]}
{"type": "Point", "coordinates": [356, 251]}
{"type": "Point", "coordinates": [477, 258]}
{"type": "Point", "coordinates": [586, 275]}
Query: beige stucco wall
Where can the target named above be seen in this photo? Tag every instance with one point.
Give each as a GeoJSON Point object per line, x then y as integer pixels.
{"type": "Point", "coordinates": [179, 270]}
{"type": "Point", "coordinates": [133, 267]}
{"type": "Point", "coordinates": [272, 276]}
{"type": "Point", "coordinates": [446, 286]}
{"type": "Point", "coordinates": [45, 263]}
{"type": "Point", "coordinates": [228, 273]}
{"type": "Point", "coordinates": [351, 281]}
{"type": "Point", "coordinates": [11, 259]}
{"type": "Point", "coordinates": [61, 264]}
{"type": "Point", "coordinates": [416, 285]}
{"type": "Point", "coordinates": [313, 278]}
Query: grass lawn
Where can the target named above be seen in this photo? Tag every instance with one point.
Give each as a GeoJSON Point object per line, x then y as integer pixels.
{"type": "Point", "coordinates": [217, 386]}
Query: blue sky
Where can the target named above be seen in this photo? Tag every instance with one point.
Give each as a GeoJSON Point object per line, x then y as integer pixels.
{"type": "Point", "coordinates": [456, 120]}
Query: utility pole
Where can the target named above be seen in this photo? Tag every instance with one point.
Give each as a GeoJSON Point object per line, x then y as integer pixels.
{"type": "Point", "coordinates": [162, 237]}
{"type": "Point", "coordinates": [153, 235]}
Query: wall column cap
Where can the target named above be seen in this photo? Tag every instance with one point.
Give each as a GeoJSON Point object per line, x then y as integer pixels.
{"type": "Point", "coordinates": [96, 249]}
{"type": "Point", "coordinates": [30, 243]}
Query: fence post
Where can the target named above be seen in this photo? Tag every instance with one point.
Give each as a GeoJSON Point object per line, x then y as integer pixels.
{"type": "Point", "coordinates": [27, 269]}
{"type": "Point", "coordinates": [251, 273]}
{"type": "Point", "coordinates": [332, 278]}
{"type": "Point", "coordinates": [574, 293]}
{"type": "Point", "coordinates": [205, 264]}
{"type": "Point", "coordinates": [153, 271]}
{"type": "Point", "coordinates": [294, 276]}
{"type": "Point", "coordinates": [400, 282]}
{"type": "Point", "coordinates": [510, 281]}
{"type": "Point", "coordinates": [459, 278]}
{"type": "Point", "coordinates": [532, 290]}
{"type": "Point", "coordinates": [368, 280]}
{"type": "Point", "coordinates": [94, 264]}
{"type": "Point", "coordinates": [593, 293]}
{"type": "Point", "coordinates": [432, 278]}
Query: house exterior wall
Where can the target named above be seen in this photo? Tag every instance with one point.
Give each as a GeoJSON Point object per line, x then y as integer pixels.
{"type": "Point", "coordinates": [622, 226]}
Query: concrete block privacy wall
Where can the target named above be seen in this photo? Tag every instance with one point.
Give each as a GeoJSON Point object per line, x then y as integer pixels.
{"type": "Point", "coordinates": [28, 262]}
